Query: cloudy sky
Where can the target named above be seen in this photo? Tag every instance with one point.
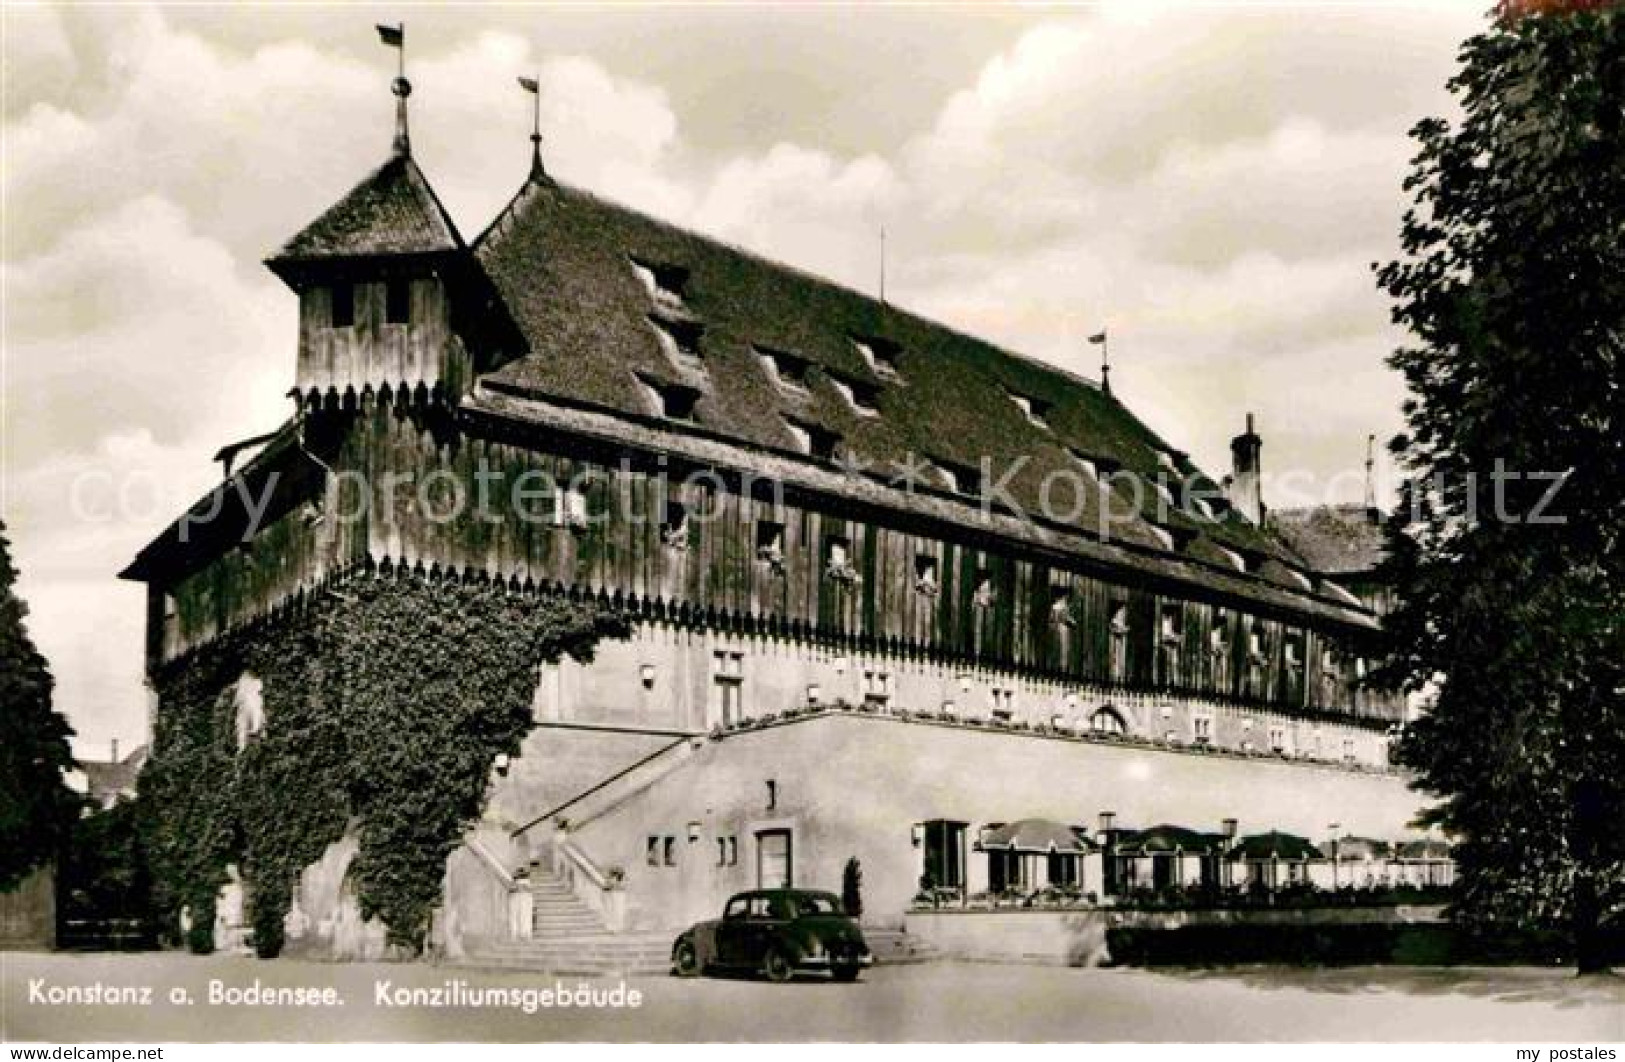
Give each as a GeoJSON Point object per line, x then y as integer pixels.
{"type": "Point", "coordinates": [1211, 183]}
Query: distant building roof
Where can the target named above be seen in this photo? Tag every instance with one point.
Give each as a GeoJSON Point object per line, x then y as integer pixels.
{"type": "Point", "coordinates": [1332, 539]}
{"type": "Point", "coordinates": [107, 780]}
{"type": "Point", "coordinates": [392, 212]}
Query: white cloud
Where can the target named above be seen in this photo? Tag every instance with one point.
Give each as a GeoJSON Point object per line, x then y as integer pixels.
{"type": "Point", "coordinates": [1211, 184]}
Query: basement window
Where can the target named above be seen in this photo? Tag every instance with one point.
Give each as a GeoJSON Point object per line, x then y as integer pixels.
{"type": "Point", "coordinates": [343, 305]}
{"type": "Point", "coordinates": [398, 301]}
{"type": "Point", "coordinates": [672, 401]}
{"type": "Point", "coordinates": [880, 353]}
{"type": "Point", "coordinates": [877, 688]}
{"type": "Point", "coordinates": [664, 283]}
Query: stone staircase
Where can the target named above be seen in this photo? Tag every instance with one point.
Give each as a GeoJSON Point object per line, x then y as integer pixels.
{"type": "Point", "coordinates": [569, 939]}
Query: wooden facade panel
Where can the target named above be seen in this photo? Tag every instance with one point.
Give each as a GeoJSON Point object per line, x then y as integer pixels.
{"type": "Point", "coordinates": [990, 605]}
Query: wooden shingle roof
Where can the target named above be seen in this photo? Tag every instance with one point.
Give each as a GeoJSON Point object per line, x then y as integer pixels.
{"type": "Point", "coordinates": [616, 306]}
{"type": "Point", "coordinates": [392, 212]}
{"type": "Point", "coordinates": [1332, 539]}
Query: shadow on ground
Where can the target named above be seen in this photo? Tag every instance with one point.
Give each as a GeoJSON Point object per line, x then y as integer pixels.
{"type": "Point", "coordinates": [1550, 985]}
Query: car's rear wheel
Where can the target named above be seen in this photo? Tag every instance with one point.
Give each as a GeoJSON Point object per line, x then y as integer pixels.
{"type": "Point", "coordinates": [685, 961]}
{"type": "Point", "coordinates": [778, 967]}
{"type": "Point", "coordinates": [847, 973]}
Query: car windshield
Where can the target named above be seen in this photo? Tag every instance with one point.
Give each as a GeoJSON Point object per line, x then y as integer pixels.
{"type": "Point", "coordinates": [813, 904]}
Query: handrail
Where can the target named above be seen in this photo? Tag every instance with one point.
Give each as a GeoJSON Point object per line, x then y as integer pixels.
{"type": "Point", "coordinates": [617, 776]}
{"type": "Point", "coordinates": [584, 862]}
{"type": "Point", "coordinates": [493, 864]}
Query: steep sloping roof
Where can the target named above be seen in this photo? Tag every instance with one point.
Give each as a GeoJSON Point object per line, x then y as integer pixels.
{"type": "Point", "coordinates": [106, 780]}
{"type": "Point", "coordinates": [1332, 539]}
{"type": "Point", "coordinates": [568, 266]}
{"type": "Point", "coordinates": [392, 212]}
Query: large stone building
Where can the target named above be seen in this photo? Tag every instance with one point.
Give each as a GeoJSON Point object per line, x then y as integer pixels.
{"type": "Point", "coordinates": [893, 587]}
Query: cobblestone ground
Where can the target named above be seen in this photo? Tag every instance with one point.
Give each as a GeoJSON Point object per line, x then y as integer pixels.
{"type": "Point", "coordinates": [937, 1002]}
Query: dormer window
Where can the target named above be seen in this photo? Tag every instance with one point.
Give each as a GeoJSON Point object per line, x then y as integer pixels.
{"type": "Point", "coordinates": [1034, 409]}
{"type": "Point", "coordinates": [1300, 579]}
{"type": "Point", "coordinates": [672, 401]}
{"type": "Point", "coordinates": [678, 338]}
{"type": "Point", "coordinates": [788, 370]}
{"type": "Point", "coordinates": [1235, 559]}
{"type": "Point", "coordinates": [1090, 467]}
{"type": "Point", "coordinates": [674, 527]}
{"type": "Point", "coordinates": [811, 439]}
{"type": "Point", "coordinates": [1163, 536]}
{"type": "Point", "coordinates": [1164, 496]}
{"type": "Point", "coordinates": [1168, 460]}
{"type": "Point", "coordinates": [343, 304]}
{"type": "Point", "coordinates": [398, 301]}
{"type": "Point", "coordinates": [880, 353]}
{"type": "Point", "coordinates": [863, 397]}
{"type": "Point", "coordinates": [664, 283]}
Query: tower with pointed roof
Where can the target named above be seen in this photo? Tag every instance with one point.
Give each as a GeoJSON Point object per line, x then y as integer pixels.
{"type": "Point", "coordinates": [375, 276]}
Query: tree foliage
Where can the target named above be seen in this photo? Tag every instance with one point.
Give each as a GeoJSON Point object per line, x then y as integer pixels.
{"type": "Point", "coordinates": [1506, 544]}
{"type": "Point", "coordinates": [37, 809]}
{"type": "Point", "coordinates": [385, 703]}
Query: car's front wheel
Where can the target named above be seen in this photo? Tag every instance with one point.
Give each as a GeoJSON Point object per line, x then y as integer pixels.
{"type": "Point", "coordinates": [847, 973]}
{"type": "Point", "coordinates": [778, 967]}
{"type": "Point", "coordinates": [685, 961]}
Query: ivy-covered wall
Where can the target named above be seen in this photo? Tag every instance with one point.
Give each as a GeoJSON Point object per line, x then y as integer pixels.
{"type": "Point", "coordinates": [385, 701]}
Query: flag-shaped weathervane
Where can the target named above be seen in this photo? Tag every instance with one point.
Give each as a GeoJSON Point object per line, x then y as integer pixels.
{"type": "Point", "coordinates": [1099, 338]}
{"type": "Point", "coordinates": [533, 86]}
{"type": "Point", "coordinates": [395, 37]}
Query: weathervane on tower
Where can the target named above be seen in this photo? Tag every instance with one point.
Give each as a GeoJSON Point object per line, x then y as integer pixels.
{"type": "Point", "coordinates": [533, 86]}
{"type": "Point", "coordinates": [1105, 361]}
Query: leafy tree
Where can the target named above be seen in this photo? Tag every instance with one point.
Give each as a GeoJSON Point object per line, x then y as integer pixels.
{"type": "Point", "coordinates": [852, 887]}
{"type": "Point", "coordinates": [1512, 287]}
{"type": "Point", "coordinates": [36, 806]}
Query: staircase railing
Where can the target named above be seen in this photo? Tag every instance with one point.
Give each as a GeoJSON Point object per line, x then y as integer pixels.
{"type": "Point", "coordinates": [603, 892]}
{"type": "Point", "coordinates": [603, 784]}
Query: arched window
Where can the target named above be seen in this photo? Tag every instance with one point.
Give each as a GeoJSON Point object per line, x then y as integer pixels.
{"type": "Point", "coordinates": [1107, 721]}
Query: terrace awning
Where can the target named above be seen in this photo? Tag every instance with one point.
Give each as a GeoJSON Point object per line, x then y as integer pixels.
{"type": "Point", "coordinates": [1036, 835]}
{"type": "Point", "coordinates": [1287, 847]}
{"type": "Point", "coordinates": [1169, 839]}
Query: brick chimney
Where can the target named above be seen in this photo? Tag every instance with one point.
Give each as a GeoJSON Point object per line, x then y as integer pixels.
{"type": "Point", "coordinates": [1243, 487]}
{"type": "Point", "coordinates": [114, 753]}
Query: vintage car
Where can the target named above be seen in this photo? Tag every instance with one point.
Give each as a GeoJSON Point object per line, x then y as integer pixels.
{"type": "Point", "coordinates": [779, 932]}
